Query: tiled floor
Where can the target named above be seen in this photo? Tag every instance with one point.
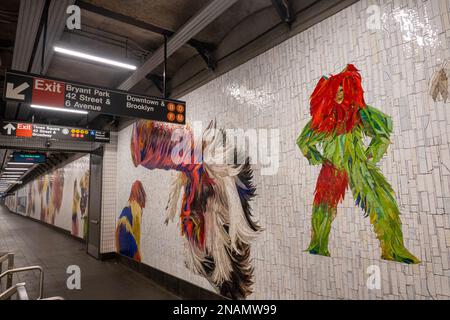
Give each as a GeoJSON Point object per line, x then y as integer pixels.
{"type": "Point", "coordinates": [37, 244]}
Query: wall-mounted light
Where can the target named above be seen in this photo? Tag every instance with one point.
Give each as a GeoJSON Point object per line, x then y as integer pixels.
{"type": "Point", "coordinates": [85, 56]}
{"type": "Point", "coordinates": [35, 106]}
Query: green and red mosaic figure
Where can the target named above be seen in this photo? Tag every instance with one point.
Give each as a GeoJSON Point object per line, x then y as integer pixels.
{"type": "Point", "coordinates": [340, 120]}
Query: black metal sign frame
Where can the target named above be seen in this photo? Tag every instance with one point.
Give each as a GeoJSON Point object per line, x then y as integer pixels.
{"type": "Point", "coordinates": [33, 89]}
{"type": "Point", "coordinates": [45, 131]}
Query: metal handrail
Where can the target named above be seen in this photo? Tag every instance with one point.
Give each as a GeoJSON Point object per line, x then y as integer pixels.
{"type": "Point", "coordinates": [9, 256]}
{"type": "Point", "coordinates": [54, 298]}
{"type": "Point", "coordinates": [5, 256]}
{"type": "Point", "coordinates": [19, 270]}
{"type": "Point", "coordinates": [18, 289]}
{"type": "Point", "coordinates": [22, 293]}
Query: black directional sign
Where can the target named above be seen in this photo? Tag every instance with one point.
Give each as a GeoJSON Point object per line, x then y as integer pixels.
{"type": "Point", "coordinates": [35, 130]}
{"type": "Point", "coordinates": [47, 92]}
{"type": "Point", "coordinates": [27, 157]}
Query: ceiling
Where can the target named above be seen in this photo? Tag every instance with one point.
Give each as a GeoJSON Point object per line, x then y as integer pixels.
{"type": "Point", "coordinates": [9, 10]}
{"type": "Point", "coordinates": [132, 31]}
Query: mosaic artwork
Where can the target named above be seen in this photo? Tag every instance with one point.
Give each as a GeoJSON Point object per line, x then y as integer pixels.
{"type": "Point", "coordinates": [273, 90]}
{"type": "Point", "coordinates": [439, 85]}
{"type": "Point", "coordinates": [59, 198]}
{"type": "Point", "coordinates": [75, 207]}
{"type": "Point", "coordinates": [214, 215]}
{"type": "Point", "coordinates": [128, 231]}
{"type": "Point", "coordinates": [84, 194]}
{"type": "Point", "coordinates": [340, 120]}
{"type": "Point", "coordinates": [51, 191]}
{"type": "Point", "coordinates": [31, 200]}
{"type": "Point", "coordinates": [79, 205]}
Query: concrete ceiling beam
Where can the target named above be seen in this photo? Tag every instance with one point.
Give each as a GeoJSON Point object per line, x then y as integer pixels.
{"type": "Point", "coordinates": [197, 23]}
{"type": "Point", "coordinates": [55, 26]}
{"type": "Point", "coordinates": [30, 13]}
{"type": "Point", "coordinates": [56, 23]}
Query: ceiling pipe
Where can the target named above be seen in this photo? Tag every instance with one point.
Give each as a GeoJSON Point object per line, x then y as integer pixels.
{"type": "Point", "coordinates": [197, 23]}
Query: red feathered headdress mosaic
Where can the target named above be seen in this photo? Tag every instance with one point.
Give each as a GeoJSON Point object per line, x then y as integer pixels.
{"type": "Point", "coordinates": [336, 102]}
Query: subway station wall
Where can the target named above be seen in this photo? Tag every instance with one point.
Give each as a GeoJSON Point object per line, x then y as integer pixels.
{"type": "Point", "coordinates": [398, 55]}
{"type": "Point", "coordinates": [59, 198]}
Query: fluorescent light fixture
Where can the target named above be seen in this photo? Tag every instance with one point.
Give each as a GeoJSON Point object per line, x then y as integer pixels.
{"type": "Point", "coordinates": [16, 169]}
{"type": "Point", "coordinates": [58, 109]}
{"type": "Point", "coordinates": [20, 164]}
{"type": "Point", "coordinates": [89, 57]}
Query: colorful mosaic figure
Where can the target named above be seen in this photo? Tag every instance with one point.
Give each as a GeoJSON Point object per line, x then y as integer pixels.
{"type": "Point", "coordinates": [215, 214]}
{"type": "Point", "coordinates": [340, 120]}
{"type": "Point", "coordinates": [84, 202]}
{"type": "Point", "coordinates": [128, 231]}
{"type": "Point", "coordinates": [51, 191]}
{"type": "Point", "coordinates": [75, 208]}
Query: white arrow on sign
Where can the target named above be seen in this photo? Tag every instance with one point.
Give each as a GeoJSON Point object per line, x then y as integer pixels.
{"type": "Point", "coordinates": [16, 93]}
{"type": "Point", "coordinates": [9, 128]}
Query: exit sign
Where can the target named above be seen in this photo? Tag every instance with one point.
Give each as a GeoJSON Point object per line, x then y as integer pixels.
{"type": "Point", "coordinates": [24, 130]}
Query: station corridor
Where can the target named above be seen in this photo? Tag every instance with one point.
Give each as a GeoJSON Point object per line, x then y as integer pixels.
{"type": "Point", "coordinates": [36, 244]}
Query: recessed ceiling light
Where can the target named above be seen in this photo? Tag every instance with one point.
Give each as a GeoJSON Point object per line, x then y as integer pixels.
{"type": "Point", "coordinates": [90, 57]}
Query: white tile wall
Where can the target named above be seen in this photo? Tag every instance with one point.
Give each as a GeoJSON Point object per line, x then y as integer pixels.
{"type": "Point", "coordinates": [108, 221]}
{"type": "Point", "coordinates": [272, 91]}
